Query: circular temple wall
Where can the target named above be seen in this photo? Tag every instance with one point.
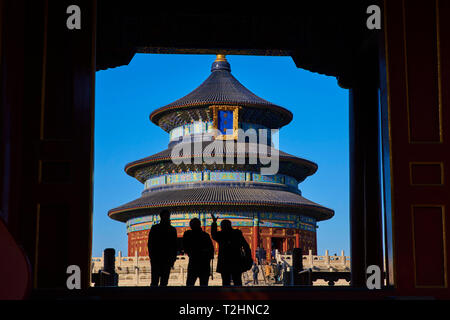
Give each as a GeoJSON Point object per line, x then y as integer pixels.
{"type": "Point", "coordinates": [267, 230]}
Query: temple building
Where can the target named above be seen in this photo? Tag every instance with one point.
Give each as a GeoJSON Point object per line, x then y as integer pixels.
{"type": "Point", "coordinates": [268, 208]}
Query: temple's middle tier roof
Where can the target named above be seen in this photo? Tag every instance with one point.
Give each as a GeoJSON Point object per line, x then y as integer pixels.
{"type": "Point", "coordinates": [220, 88]}
{"type": "Point", "coordinates": [162, 162]}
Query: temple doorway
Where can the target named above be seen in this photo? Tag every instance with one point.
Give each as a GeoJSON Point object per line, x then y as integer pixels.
{"type": "Point", "coordinates": [180, 249]}
{"type": "Point", "coordinates": [278, 244]}
{"type": "Point", "coordinates": [274, 228]}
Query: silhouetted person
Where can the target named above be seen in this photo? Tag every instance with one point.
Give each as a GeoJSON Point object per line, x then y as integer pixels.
{"type": "Point", "coordinates": [261, 254]}
{"type": "Point", "coordinates": [162, 249]}
{"type": "Point", "coordinates": [231, 241]}
{"type": "Point", "coordinates": [255, 270]}
{"type": "Point", "coordinates": [284, 266]}
{"type": "Point", "coordinates": [280, 271]}
{"type": "Point", "coordinates": [198, 246]}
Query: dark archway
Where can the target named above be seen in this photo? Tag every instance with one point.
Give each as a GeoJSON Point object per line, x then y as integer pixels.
{"type": "Point", "coordinates": [47, 105]}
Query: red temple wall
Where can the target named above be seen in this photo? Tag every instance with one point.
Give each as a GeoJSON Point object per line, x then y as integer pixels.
{"type": "Point", "coordinates": [137, 240]}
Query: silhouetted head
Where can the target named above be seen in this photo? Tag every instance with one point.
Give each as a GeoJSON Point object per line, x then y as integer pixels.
{"type": "Point", "coordinates": [195, 224]}
{"type": "Point", "coordinates": [165, 216]}
{"type": "Point", "coordinates": [225, 225]}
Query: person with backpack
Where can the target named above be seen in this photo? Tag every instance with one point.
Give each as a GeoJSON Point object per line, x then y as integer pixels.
{"type": "Point", "coordinates": [234, 252]}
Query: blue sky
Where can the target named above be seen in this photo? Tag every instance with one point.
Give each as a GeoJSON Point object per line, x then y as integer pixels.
{"type": "Point", "coordinates": [125, 97]}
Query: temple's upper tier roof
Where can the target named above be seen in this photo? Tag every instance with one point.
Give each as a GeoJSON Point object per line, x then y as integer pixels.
{"type": "Point", "coordinates": [220, 88]}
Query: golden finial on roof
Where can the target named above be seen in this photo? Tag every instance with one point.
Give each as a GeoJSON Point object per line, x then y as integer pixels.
{"type": "Point", "coordinates": [220, 63]}
{"type": "Point", "coordinates": [220, 57]}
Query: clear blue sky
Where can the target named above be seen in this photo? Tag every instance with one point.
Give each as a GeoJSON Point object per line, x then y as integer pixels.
{"type": "Point", "coordinates": [125, 97]}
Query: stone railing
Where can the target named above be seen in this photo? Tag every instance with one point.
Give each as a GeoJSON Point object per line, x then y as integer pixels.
{"type": "Point", "coordinates": [321, 263]}
{"type": "Point", "coordinates": [136, 271]}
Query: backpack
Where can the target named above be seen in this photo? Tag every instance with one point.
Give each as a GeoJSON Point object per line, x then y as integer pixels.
{"type": "Point", "coordinates": [246, 260]}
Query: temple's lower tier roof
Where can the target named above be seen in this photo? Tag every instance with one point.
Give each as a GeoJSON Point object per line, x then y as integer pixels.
{"type": "Point", "coordinates": [223, 197]}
